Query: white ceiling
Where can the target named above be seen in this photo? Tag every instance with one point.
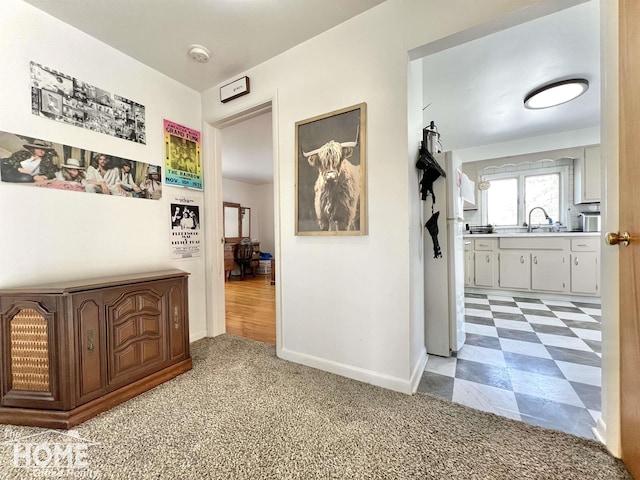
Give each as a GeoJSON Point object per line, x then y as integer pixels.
{"type": "Point", "coordinates": [239, 33]}
{"type": "Point", "coordinates": [247, 151]}
{"type": "Point", "coordinates": [474, 91]}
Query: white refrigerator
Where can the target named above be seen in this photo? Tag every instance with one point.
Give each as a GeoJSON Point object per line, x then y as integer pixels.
{"type": "Point", "coordinates": [444, 276]}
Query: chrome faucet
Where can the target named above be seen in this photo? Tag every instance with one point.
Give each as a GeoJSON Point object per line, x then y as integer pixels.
{"type": "Point", "coordinates": [546, 216]}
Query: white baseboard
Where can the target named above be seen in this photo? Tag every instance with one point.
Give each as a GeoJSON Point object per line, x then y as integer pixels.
{"type": "Point", "coordinates": [418, 370]}
{"type": "Point", "coordinates": [363, 375]}
{"type": "Point", "coordinates": [197, 335]}
{"type": "Point", "coordinates": [540, 295]}
{"type": "Point", "coordinates": [600, 431]}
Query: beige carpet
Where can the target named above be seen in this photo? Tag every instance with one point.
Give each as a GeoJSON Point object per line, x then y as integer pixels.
{"type": "Point", "coordinates": [243, 413]}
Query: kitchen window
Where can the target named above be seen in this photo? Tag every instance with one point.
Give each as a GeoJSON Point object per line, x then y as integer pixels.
{"type": "Point", "coordinates": [512, 195]}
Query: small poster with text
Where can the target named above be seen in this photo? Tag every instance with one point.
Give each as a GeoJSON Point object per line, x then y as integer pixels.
{"type": "Point", "coordinates": [186, 237]}
{"type": "Point", "coordinates": [182, 156]}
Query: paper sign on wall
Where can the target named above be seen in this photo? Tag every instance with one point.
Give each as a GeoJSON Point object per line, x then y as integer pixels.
{"type": "Point", "coordinates": [185, 215]}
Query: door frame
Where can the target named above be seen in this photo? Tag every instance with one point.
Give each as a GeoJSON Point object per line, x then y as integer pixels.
{"type": "Point", "coordinates": [214, 228]}
{"type": "Point", "coordinates": [607, 428]}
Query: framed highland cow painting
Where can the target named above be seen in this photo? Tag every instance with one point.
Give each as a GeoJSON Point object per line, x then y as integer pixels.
{"type": "Point", "coordinates": [330, 173]}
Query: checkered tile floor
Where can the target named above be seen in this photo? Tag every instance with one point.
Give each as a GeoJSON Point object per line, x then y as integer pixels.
{"type": "Point", "coordinates": [528, 359]}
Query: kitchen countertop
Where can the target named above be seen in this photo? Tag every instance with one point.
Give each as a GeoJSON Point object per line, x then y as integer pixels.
{"type": "Point", "coordinates": [532, 234]}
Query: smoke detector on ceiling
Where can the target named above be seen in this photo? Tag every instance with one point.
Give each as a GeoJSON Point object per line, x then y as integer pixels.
{"type": "Point", "coordinates": [199, 53]}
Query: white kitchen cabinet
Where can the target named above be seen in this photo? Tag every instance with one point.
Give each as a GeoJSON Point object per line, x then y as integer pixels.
{"type": "Point", "coordinates": [586, 175]}
{"type": "Point", "coordinates": [485, 244]}
{"type": "Point", "coordinates": [469, 169]}
{"type": "Point", "coordinates": [548, 263]}
{"type": "Point", "coordinates": [515, 270]}
{"type": "Point", "coordinates": [585, 271]}
{"type": "Point", "coordinates": [468, 264]}
{"type": "Point", "coordinates": [485, 261]}
{"type": "Point", "coordinates": [484, 266]}
{"type": "Point", "coordinates": [549, 271]}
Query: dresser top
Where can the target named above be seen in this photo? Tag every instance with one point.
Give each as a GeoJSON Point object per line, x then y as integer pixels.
{"type": "Point", "coordinates": [73, 286]}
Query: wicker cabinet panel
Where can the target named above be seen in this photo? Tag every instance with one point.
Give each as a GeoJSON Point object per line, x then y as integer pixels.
{"type": "Point", "coordinates": [30, 370]}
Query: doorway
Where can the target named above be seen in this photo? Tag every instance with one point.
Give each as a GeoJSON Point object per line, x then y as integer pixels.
{"type": "Point", "coordinates": [497, 352]}
{"type": "Point", "coordinates": [247, 165]}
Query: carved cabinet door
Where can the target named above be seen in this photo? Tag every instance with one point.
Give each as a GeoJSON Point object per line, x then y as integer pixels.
{"type": "Point", "coordinates": [88, 313]}
{"type": "Point", "coordinates": [179, 338]}
{"type": "Point", "coordinates": [136, 332]}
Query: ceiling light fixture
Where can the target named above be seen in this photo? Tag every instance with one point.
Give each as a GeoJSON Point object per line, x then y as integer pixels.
{"type": "Point", "coordinates": [199, 53]}
{"type": "Point", "coordinates": [484, 184]}
{"type": "Point", "coordinates": [556, 93]}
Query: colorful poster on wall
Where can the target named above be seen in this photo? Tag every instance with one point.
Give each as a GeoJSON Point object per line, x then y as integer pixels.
{"type": "Point", "coordinates": [182, 156]}
{"type": "Point", "coordinates": [185, 227]}
{"type": "Point", "coordinates": [61, 97]}
{"type": "Point", "coordinates": [35, 162]}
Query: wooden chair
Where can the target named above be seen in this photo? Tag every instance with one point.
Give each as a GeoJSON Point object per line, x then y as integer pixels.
{"type": "Point", "coordinates": [244, 256]}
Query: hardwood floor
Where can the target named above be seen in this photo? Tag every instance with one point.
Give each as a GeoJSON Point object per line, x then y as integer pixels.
{"type": "Point", "coordinates": [251, 308]}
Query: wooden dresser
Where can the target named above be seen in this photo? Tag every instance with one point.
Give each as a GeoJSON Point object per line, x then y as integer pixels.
{"type": "Point", "coordinates": [71, 350]}
{"type": "Point", "coordinates": [229, 259]}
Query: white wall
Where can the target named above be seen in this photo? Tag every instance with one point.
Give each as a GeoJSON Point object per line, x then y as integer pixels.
{"type": "Point", "coordinates": [417, 349]}
{"type": "Point", "coordinates": [259, 198]}
{"type": "Point", "coordinates": [554, 141]}
{"type": "Point", "coordinates": [48, 235]}
{"type": "Point", "coordinates": [348, 304]}
{"type": "Point", "coordinates": [608, 426]}
{"type": "Point", "coordinates": [531, 161]}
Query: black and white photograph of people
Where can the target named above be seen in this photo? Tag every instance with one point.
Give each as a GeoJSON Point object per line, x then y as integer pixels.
{"type": "Point", "coordinates": [176, 216]}
{"type": "Point", "coordinates": [58, 96]}
{"type": "Point", "coordinates": [29, 161]}
{"type": "Point", "coordinates": [185, 218]}
{"type": "Point", "coordinates": [189, 220]}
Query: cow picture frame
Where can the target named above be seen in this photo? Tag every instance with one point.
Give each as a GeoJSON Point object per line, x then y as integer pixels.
{"type": "Point", "coordinates": [331, 173]}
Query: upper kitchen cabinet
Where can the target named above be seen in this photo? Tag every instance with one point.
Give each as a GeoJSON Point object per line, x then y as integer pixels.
{"type": "Point", "coordinates": [586, 171]}
{"type": "Point", "coordinates": [469, 169]}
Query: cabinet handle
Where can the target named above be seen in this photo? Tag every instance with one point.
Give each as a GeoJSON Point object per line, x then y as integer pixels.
{"type": "Point", "coordinates": [90, 346]}
{"type": "Point", "coordinates": [483, 244]}
{"type": "Point", "coordinates": [487, 258]}
{"type": "Point", "coordinates": [521, 258]}
{"type": "Point", "coordinates": [575, 260]}
{"type": "Point", "coordinates": [535, 259]}
{"type": "Point", "coordinates": [176, 318]}
{"type": "Point", "coordinates": [582, 245]}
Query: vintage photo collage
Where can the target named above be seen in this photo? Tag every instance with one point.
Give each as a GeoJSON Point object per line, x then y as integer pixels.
{"type": "Point", "coordinates": [36, 162]}
{"type": "Point", "coordinates": [60, 97]}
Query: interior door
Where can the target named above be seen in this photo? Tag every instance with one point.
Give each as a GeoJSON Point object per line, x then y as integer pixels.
{"type": "Point", "coordinates": [629, 221]}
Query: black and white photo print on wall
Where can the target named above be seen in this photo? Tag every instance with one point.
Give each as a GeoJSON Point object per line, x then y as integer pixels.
{"type": "Point", "coordinates": [330, 173]}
